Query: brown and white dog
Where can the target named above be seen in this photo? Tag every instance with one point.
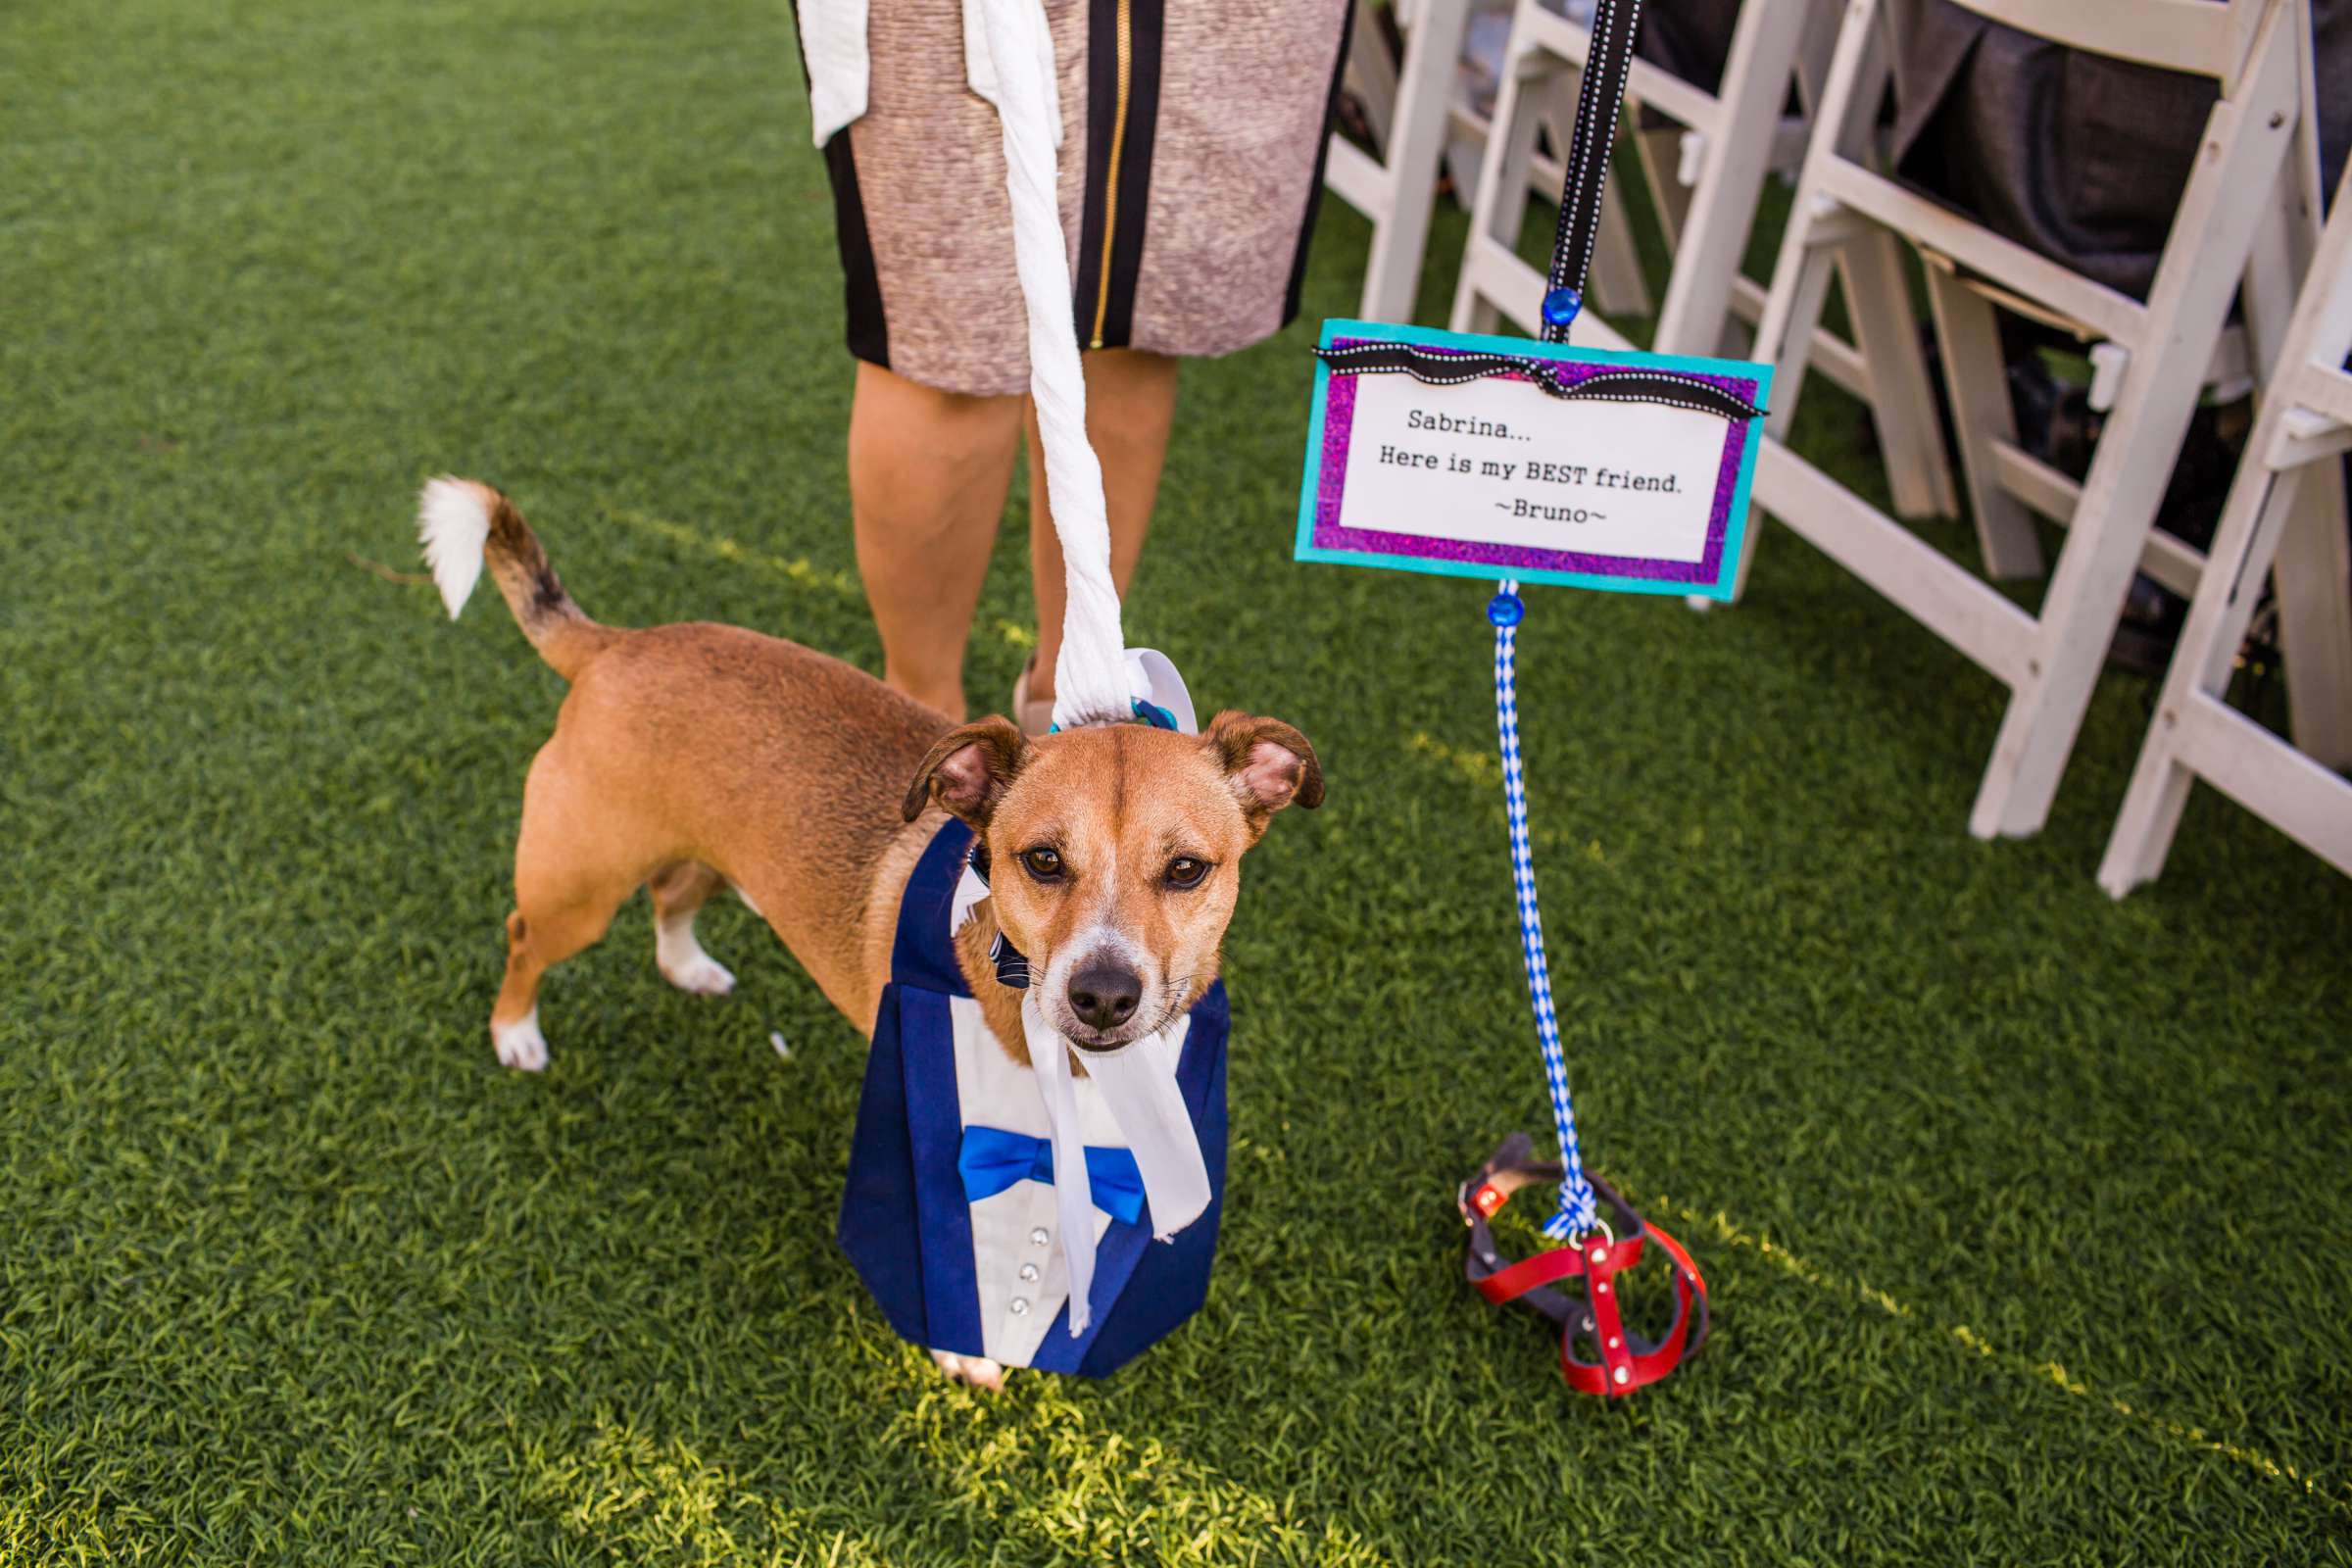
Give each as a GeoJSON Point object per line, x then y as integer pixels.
{"type": "Point", "coordinates": [694, 757]}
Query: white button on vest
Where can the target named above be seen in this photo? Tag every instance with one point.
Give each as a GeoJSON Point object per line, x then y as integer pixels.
{"type": "Point", "coordinates": [1028, 1273]}
{"type": "Point", "coordinates": [1040, 1236]}
{"type": "Point", "coordinates": [1018, 1305]}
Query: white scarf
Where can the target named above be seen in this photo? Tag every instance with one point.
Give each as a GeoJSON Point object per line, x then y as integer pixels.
{"type": "Point", "coordinates": [1137, 1086]}
{"type": "Point", "coordinates": [841, 68]}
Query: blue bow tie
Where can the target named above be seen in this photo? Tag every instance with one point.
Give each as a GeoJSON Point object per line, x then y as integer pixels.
{"type": "Point", "coordinates": [993, 1160]}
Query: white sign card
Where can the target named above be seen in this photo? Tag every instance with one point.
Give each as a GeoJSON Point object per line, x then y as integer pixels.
{"type": "Point", "coordinates": [1494, 456]}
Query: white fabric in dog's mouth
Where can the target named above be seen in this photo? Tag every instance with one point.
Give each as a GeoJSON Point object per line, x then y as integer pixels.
{"type": "Point", "coordinates": [1138, 1085]}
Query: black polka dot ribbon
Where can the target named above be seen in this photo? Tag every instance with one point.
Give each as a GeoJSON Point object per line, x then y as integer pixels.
{"type": "Point", "coordinates": [1451, 367]}
{"type": "Point", "coordinates": [1597, 104]}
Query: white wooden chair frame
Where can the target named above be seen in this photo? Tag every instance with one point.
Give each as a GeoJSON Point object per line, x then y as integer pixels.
{"type": "Point", "coordinates": [1417, 119]}
{"type": "Point", "coordinates": [1408, 109]}
{"type": "Point", "coordinates": [2007, 486]}
{"type": "Point", "coordinates": [2304, 427]}
{"type": "Point", "coordinates": [1739, 133]}
{"type": "Point", "coordinates": [1671, 157]}
{"type": "Point", "coordinates": [2163, 349]}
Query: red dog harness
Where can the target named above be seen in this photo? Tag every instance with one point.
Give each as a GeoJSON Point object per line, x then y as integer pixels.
{"type": "Point", "coordinates": [1622, 1360]}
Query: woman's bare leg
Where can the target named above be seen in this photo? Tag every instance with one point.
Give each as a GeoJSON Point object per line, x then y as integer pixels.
{"type": "Point", "coordinates": [928, 473]}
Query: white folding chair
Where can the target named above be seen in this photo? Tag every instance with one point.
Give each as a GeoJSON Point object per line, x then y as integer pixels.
{"type": "Point", "coordinates": [2159, 354]}
{"type": "Point", "coordinates": [1419, 117]}
{"type": "Point", "coordinates": [2304, 427]}
{"type": "Point", "coordinates": [1407, 106]}
{"type": "Point", "coordinates": [1737, 135]}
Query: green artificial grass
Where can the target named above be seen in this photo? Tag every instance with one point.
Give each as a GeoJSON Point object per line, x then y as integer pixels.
{"type": "Point", "coordinates": [2023, 1211]}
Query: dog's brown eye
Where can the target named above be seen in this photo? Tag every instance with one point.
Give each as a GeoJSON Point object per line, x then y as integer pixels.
{"type": "Point", "coordinates": [1186, 872]}
{"type": "Point", "coordinates": [1042, 863]}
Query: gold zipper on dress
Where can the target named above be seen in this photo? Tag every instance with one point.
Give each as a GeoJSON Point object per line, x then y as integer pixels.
{"type": "Point", "coordinates": [1111, 176]}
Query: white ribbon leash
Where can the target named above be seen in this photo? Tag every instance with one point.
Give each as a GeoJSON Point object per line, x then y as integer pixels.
{"type": "Point", "coordinates": [1008, 61]}
{"type": "Point", "coordinates": [1091, 681]}
{"type": "Point", "coordinates": [1010, 47]}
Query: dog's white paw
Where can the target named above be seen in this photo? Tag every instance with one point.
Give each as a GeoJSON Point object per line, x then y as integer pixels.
{"type": "Point", "coordinates": [702, 975]}
{"type": "Point", "coordinates": [683, 962]}
{"type": "Point", "coordinates": [977, 1370]}
{"type": "Point", "coordinates": [520, 1044]}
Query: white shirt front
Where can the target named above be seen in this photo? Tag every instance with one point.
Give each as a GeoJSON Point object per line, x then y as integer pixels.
{"type": "Point", "coordinates": [1023, 1277]}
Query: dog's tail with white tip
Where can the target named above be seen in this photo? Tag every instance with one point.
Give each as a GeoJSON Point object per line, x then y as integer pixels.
{"type": "Point", "coordinates": [464, 523]}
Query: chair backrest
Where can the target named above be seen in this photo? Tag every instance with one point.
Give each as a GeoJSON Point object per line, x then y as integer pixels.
{"type": "Point", "coordinates": [2199, 38]}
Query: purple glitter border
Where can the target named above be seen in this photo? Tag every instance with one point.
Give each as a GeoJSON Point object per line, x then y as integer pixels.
{"type": "Point", "coordinates": [1339, 418]}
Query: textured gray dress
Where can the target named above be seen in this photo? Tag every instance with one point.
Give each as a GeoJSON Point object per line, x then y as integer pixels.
{"type": "Point", "coordinates": [1189, 165]}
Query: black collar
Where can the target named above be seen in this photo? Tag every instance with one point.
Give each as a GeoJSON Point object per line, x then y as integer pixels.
{"type": "Point", "coordinates": [1012, 969]}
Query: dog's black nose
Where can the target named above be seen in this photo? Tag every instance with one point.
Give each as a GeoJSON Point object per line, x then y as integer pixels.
{"type": "Point", "coordinates": [1105, 994]}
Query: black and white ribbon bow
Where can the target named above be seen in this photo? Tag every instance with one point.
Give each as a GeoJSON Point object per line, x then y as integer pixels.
{"type": "Point", "coordinates": [1449, 368]}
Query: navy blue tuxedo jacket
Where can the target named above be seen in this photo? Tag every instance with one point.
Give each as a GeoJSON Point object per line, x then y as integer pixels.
{"type": "Point", "coordinates": [905, 1222]}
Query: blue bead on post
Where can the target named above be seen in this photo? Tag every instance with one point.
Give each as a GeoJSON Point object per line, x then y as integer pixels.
{"type": "Point", "coordinates": [1506, 609]}
{"type": "Point", "coordinates": [1560, 306]}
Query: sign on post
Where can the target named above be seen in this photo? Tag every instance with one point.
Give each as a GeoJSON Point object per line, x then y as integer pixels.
{"type": "Point", "coordinates": [1507, 456]}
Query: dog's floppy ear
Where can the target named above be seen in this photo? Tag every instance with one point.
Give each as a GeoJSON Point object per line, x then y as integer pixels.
{"type": "Point", "coordinates": [968, 770]}
{"type": "Point", "coordinates": [1267, 764]}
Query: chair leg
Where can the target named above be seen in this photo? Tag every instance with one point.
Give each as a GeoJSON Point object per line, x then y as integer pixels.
{"type": "Point", "coordinates": [2314, 560]}
{"type": "Point", "coordinates": [1415, 143]}
{"type": "Point", "coordinates": [1800, 283]}
{"type": "Point", "coordinates": [1463, 150]}
{"type": "Point", "coordinates": [1500, 206]}
{"type": "Point", "coordinates": [2258, 513]}
{"type": "Point", "coordinates": [1801, 275]}
{"type": "Point", "coordinates": [1722, 204]}
{"type": "Point", "coordinates": [2313, 584]}
{"type": "Point", "coordinates": [1373, 75]}
{"type": "Point", "coordinates": [1903, 404]}
{"type": "Point", "coordinates": [1816, 46]}
{"type": "Point", "coordinates": [1660, 152]}
{"type": "Point", "coordinates": [2086, 599]}
{"type": "Point", "coordinates": [1618, 286]}
{"type": "Point", "coordinates": [1977, 379]}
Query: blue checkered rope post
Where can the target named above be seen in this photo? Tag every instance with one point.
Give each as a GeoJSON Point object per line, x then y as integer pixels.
{"type": "Point", "coordinates": [1578, 1213]}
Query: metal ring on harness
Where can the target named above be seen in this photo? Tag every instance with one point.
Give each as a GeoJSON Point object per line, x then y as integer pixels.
{"type": "Point", "coordinates": [1624, 1359]}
